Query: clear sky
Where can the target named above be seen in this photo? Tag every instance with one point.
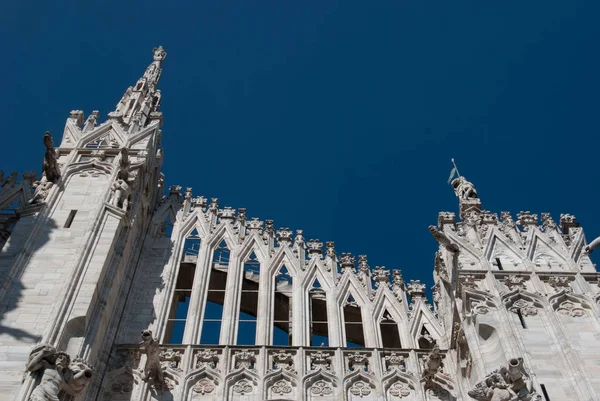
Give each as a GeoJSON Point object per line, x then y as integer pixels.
{"type": "Point", "coordinates": [335, 117]}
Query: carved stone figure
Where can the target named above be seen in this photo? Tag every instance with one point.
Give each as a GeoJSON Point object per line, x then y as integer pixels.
{"type": "Point", "coordinates": [120, 196]}
{"type": "Point", "coordinates": [152, 368]}
{"type": "Point", "coordinates": [50, 165]}
{"type": "Point", "coordinates": [124, 165]}
{"type": "Point", "coordinates": [432, 363]}
{"type": "Point", "coordinates": [508, 383]}
{"type": "Point", "coordinates": [443, 239]}
{"type": "Point", "coordinates": [41, 189]}
{"type": "Point", "coordinates": [59, 373]}
{"type": "Point", "coordinates": [493, 388]}
{"type": "Point", "coordinates": [464, 189]}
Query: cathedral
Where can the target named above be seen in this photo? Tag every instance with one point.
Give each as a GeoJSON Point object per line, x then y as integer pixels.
{"type": "Point", "coordinates": [117, 287]}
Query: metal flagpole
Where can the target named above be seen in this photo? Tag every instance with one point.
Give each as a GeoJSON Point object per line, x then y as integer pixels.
{"type": "Point", "coordinates": [457, 172]}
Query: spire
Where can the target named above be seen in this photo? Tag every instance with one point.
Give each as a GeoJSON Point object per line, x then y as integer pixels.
{"type": "Point", "coordinates": [140, 103]}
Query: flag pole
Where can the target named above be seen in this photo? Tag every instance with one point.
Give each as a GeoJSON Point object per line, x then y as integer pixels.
{"type": "Point", "coordinates": [457, 172]}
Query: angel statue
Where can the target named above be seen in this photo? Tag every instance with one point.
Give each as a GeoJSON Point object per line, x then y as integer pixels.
{"type": "Point", "coordinates": [59, 373]}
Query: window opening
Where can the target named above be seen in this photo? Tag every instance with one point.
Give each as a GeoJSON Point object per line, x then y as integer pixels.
{"type": "Point", "coordinates": [191, 245]}
{"type": "Point", "coordinates": [353, 323]}
{"type": "Point", "coordinates": [426, 340]}
{"type": "Point", "coordinates": [221, 256]}
{"type": "Point", "coordinates": [248, 306]}
{"type": "Point", "coordinates": [499, 264]}
{"type": "Point", "coordinates": [390, 336]}
{"type": "Point", "coordinates": [545, 392]}
{"type": "Point", "coordinates": [252, 265]}
{"type": "Point", "coordinates": [282, 312]}
{"type": "Point", "coordinates": [319, 330]}
{"type": "Point", "coordinates": [213, 310]}
{"type": "Point", "coordinates": [70, 218]}
{"type": "Point", "coordinates": [180, 304]}
{"type": "Point", "coordinates": [521, 318]}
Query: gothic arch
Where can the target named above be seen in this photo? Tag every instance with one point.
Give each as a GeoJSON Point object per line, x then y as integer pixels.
{"type": "Point", "coordinates": [202, 381]}
{"type": "Point", "coordinates": [243, 379]}
{"type": "Point", "coordinates": [358, 385]}
{"type": "Point", "coordinates": [423, 319]}
{"type": "Point", "coordinates": [384, 302]}
{"type": "Point", "coordinates": [280, 384]}
{"type": "Point", "coordinates": [399, 386]}
{"type": "Point", "coordinates": [570, 304]}
{"type": "Point", "coordinates": [499, 247]}
{"type": "Point", "coordinates": [349, 285]}
{"type": "Point", "coordinates": [283, 257]}
{"type": "Point", "coordinates": [97, 133]}
{"type": "Point", "coordinates": [478, 302]}
{"type": "Point", "coordinates": [312, 387]}
{"type": "Point", "coordinates": [539, 249]}
{"type": "Point", "coordinates": [223, 232]}
{"type": "Point", "coordinates": [252, 243]}
{"type": "Point", "coordinates": [520, 300]}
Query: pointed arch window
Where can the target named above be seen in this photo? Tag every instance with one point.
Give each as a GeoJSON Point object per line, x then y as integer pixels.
{"type": "Point", "coordinates": [192, 242]}
{"type": "Point", "coordinates": [355, 337]}
{"type": "Point", "coordinates": [390, 336]}
{"type": "Point", "coordinates": [221, 256]}
{"type": "Point", "coordinates": [282, 311]}
{"type": "Point", "coordinates": [180, 304]}
{"type": "Point", "coordinates": [319, 327]}
{"type": "Point", "coordinates": [213, 309]}
{"type": "Point", "coordinates": [426, 341]}
{"type": "Point", "coordinates": [248, 309]}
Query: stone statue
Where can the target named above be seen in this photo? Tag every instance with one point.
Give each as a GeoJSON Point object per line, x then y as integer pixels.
{"type": "Point", "coordinates": [464, 189]}
{"type": "Point", "coordinates": [505, 384]}
{"type": "Point", "coordinates": [50, 165]}
{"type": "Point", "coordinates": [41, 189]}
{"type": "Point", "coordinates": [152, 368]}
{"type": "Point", "coordinates": [59, 373]}
{"type": "Point", "coordinates": [432, 364]}
{"type": "Point", "coordinates": [493, 388]}
{"type": "Point", "coordinates": [120, 196]}
{"type": "Point", "coordinates": [443, 239]}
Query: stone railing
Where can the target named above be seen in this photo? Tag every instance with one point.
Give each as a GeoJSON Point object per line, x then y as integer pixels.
{"type": "Point", "coordinates": [258, 373]}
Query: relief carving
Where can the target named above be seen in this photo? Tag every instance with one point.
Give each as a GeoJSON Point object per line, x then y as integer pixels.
{"type": "Point", "coordinates": [508, 383]}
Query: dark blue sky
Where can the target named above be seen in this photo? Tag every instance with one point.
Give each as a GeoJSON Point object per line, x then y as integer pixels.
{"type": "Point", "coordinates": [339, 118]}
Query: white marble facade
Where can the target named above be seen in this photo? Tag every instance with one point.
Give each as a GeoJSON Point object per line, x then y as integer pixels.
{"type": "Point", "coordinates": [177, 298]}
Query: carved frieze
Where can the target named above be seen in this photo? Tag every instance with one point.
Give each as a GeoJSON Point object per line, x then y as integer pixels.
{"type": "Point", "coordinates": [527, 308]}
{"type": "Point", "coordinates": [395, 361]}
{"type": "Point", "coordinates": [243, 387]}
{"type": "Point", "coordinates": [569, 308]}
{"type": "Point", "coordinates": [207, 358]}
{"type": "Point", "coordinates": [281, 387]}
{"type": "Point", "coordinates": [321, 388]}
{"type": "Point", "coordinates": [320, 360]}
{"type": "Point", "coordinates": [244, 359]}
{"type": "Point", "coordinates": [560, 283]}
{"type": "Point", "coordinates": [515, 282]}
{"type": "Point", "coordinates": [360, 388]}
{"type": "Point", "coordinates": [204, 386]}
{"type": "Point", "coordinates": [399, 390]}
